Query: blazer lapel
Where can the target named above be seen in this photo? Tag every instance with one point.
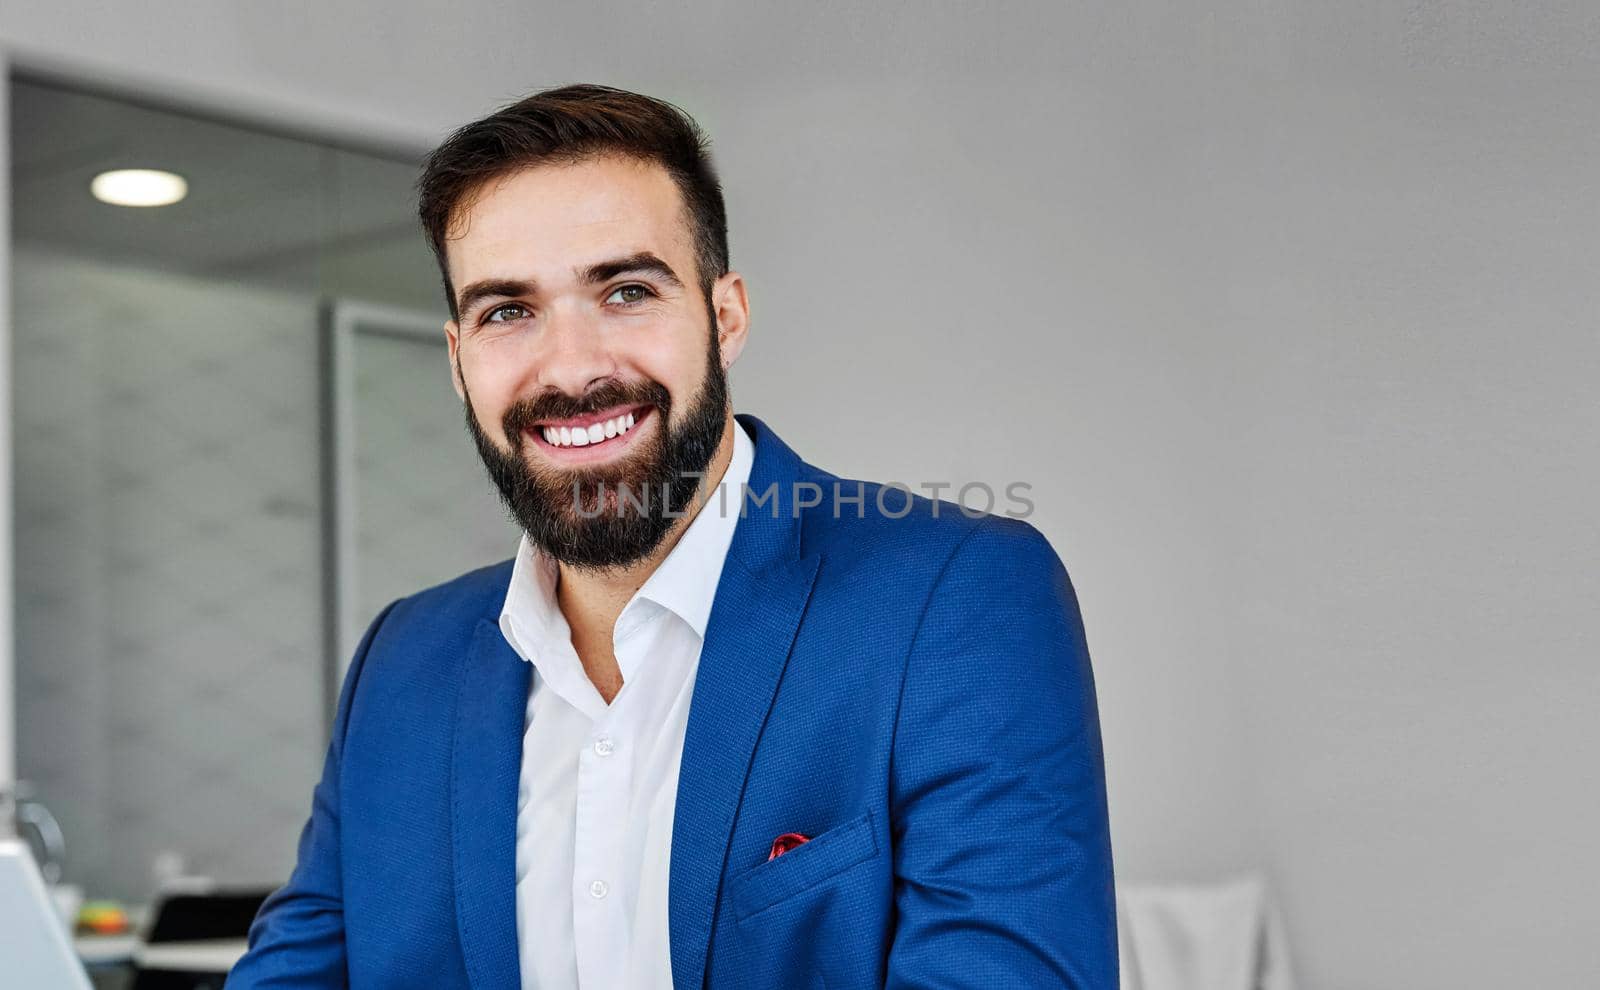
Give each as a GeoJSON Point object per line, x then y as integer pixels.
{"type": "Point", "coordinates": [490, 706]}
{"type": "Point", "coordinates": [760, 599]}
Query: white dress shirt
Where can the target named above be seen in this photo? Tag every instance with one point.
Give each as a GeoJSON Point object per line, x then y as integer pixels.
{"type": "Point", "coordinates": [599, 782]}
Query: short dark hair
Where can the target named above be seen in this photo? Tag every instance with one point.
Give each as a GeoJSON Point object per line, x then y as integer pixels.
{"type": "Point", "coordinates": [567, 125]}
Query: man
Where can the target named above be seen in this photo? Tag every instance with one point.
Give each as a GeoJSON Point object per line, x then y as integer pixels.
{"type": "Point", "coordinates": [725, 720]}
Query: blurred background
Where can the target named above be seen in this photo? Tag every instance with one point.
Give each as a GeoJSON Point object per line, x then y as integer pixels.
{"type": "Point", "coordinates": [1286, 311]}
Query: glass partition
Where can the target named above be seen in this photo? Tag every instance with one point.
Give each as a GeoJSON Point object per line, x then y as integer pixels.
{"type": "Point", "coordinates": [173, 517]}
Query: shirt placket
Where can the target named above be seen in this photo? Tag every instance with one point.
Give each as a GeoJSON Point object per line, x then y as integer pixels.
{"type": "Point", "coordinates": [600, 924]}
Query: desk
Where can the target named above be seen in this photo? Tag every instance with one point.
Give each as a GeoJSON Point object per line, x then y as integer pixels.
{"type": "Point", "coordinates": [105, 950]}
{"type": "Point", "coordinates": [216, 955]}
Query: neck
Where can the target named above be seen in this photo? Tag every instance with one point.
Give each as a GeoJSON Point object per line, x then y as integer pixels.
{"type": "Point", "coordinates": [594, 597]}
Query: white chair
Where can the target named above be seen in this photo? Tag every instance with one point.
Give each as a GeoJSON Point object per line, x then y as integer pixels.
{"type": "Point", "coordinates": [1223, 936]}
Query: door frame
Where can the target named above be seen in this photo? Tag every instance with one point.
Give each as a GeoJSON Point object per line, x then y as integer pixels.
{"type": "Point", "coordinates": [343, 321]}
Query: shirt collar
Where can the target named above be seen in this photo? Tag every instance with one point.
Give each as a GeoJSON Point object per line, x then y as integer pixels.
{"type": "Point", "coordinates": [685, 583]}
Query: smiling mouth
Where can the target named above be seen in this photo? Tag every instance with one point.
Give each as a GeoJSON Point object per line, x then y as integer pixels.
{"type": "Point", "coordinates": [600, 430]}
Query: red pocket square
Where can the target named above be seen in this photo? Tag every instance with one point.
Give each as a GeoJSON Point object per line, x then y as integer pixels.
{"type": "Point", "coordinates": [786, 842]}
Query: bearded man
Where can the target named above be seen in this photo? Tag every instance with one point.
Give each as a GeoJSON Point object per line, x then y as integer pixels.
{"type": "Point", "coordinates": [724, 719]}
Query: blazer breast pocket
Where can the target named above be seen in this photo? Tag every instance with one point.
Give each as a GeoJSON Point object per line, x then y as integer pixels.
{"type": "Point", "coordinates": [805, 866]}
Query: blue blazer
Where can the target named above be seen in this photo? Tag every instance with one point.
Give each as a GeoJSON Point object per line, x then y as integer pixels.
{"type": "Point", "coordinates": [913, 693]}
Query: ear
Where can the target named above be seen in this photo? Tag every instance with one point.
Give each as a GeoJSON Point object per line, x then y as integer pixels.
{"type": "Point", "coordinates": [732, 306]}
{"type": "Point", "coordinates": [452, 336]}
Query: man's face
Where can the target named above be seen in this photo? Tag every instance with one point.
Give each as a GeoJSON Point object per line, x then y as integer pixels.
{"type": "Point", "coordinates": [580, 310]}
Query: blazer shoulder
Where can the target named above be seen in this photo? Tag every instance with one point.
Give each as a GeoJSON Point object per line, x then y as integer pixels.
{"type": "Point", "coordinates": [411, 641]}
{"type": "Point", "coordinates": [879, 525]}
{"type": "Point", "coordinates": [452, 606]}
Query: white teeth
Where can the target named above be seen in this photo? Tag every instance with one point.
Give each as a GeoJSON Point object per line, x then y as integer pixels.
{"type": "Point", "coordinates": [583, 436]}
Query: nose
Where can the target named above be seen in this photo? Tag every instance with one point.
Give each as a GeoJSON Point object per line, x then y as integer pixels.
{"type": "Point", "coordinates": [573, 354]}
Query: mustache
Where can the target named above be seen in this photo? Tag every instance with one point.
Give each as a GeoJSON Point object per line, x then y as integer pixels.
{"type": "Point", "coordinates": [522, 415]}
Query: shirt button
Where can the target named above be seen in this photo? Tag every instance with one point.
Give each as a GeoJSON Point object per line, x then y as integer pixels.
{"type": "Point", "coordinates": [604, 747]}
{"type": "Point", "coordinates": [598, 888]}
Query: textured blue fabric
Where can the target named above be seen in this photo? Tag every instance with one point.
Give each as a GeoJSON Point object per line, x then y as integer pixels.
{"type": "Point", "coordinates": [913, 693]}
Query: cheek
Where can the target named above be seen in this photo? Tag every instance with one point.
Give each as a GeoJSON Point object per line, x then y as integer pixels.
{"type": "Point", "coordinates": [683, 378]}
{"type": "Point", "coordinates": [657, 357]}
{"type": "Point", "coordinates": [490, 384]}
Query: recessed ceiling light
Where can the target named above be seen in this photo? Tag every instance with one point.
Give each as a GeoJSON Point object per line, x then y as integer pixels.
{"type": "Point", "coordinates": [139, 187]}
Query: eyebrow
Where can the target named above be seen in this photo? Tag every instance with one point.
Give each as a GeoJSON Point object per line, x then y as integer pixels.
{"type": "Point", "coordinates": [641, 263]}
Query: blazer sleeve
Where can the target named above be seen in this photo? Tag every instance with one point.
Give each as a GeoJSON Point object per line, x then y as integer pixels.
{"type": "Point", "coordinates": [297, 938]}
{"type": "Point", "coordinates": [1002, 848]}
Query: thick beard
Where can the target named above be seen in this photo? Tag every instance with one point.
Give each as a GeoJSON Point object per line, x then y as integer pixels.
{"type": "Point", "coordinates": [672, 461]}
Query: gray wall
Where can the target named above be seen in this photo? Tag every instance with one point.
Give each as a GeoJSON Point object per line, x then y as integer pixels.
{"type": "Point", "coordinates": [1288, 308]}
{"type": "Point", "coordinates": [169, 667]}
{"type": "Point", "coordinates": [8, 730]}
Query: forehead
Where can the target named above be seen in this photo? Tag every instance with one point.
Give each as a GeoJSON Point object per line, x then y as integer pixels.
{"type": "Point", "coordinates": [543, 221]}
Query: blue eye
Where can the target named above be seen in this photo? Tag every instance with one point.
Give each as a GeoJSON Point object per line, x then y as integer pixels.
{"type": "Point", "coordinates": [633, 294]}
